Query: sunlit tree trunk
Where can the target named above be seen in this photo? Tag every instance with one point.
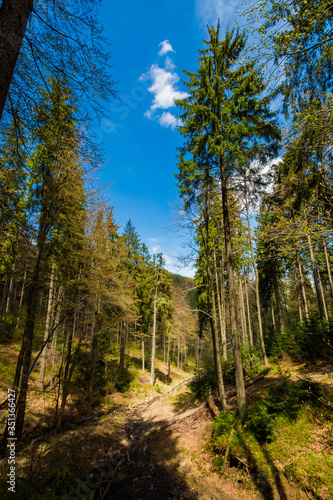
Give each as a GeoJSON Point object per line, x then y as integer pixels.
{"type": "Point", "coordinates": [169, 358]}
{"type": "Point", "coordinates": [219, 304]}
{"type": "Point", "coordinates": [261, 333]}
{"type": "Point", "coordinates": [240, 386]}
{"type": "Point", "coordinates": [122, 335]}
{"type": "Point", "coordinates": [217, 355]}
{"type": "Point", "coordinates": [328, 268]}
{"type": "Point", "coordinates": [302, 285]}
{"type": "Point", "coordinates": [248, 310]}
{"type": "Point", "coordinates": [242, 309]}
{"type": "Point", "coordinates": [153, 343]}
{"type": "Point", "coordinates": [46, 331]}
{"type": "Point", "coordinates": [319, 294]}
{"type": "Point", "coordinates": [278, 299]}
{"type": "Point", "coordinates": [143, 354]}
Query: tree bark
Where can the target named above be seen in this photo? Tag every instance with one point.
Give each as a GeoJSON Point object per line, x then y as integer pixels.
{"type": "Point", "coordinates": [302, 284]}
{"type": "Point", "coordinates": [248, 311]}
{"type": "Point", "coordinates": [122, 346]}
{"type": "Point", "coordinates": [66, 378]}
{"type": "Point", "coordinates": [217, 355]}
{"type": "Point", "coordinates": [46, 332]}
{"type": "Point", "coordinates": [240, 387]}
{"type": "Point", "coordinates": [169, 358]}
{"type": "Point", "coordinates": [261, 333]}
{"type": "Point", "coordinates": [23, 364]}
{"type": "Point", "coordinates": [320, 298]}
{"type": "Point", "coordinates": [278, 298]}
{"type": "Point", "coordinates": [14, 15]}
{"type": "Point", "coordinates": [219, 304]}
{"type": "Point", "coordinates": [143, 354]}
{"type": "Point", "coordinates": [21, 298]}
{"type": "Point", "coordinates": [223, 305]}
{"type": "Point", "coordinates": [242, 308]}
{"type": "Point", "coordinates": [8, 302]}
{"type": "Point", "coordinates": [328, 268]}
{"type": "Point", "coordinates": [153, 343]}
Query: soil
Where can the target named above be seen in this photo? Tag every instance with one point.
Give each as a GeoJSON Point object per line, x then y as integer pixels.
{"type": "Point", "coordinates": [169, 460]}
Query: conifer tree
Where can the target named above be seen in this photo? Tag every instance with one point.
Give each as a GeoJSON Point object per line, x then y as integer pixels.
{"type": "Point", "coordinates": [226, 118]}
{"type": "Point", "coordinates": [57, 209]}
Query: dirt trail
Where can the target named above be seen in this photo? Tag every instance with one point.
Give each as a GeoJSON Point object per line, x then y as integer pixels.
{"type": "Point", "coordinates": [163, 455]}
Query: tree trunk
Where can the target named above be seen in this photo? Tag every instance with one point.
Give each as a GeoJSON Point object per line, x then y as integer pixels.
{"type": "Point", "coordinates": [169, 358]}
{"type": "Point", "coordinates": [143, 354]}
{"type": "Point", "coordinates": [273, 315]}
{"type": "Point", "coordinates": [242, 310]}
{"type": "Point", "coordinates": [328, 268]}
{"type": "Point", "coordinates": [248, 310]}
{"type": "Point", "coordinates": [122, 347]}
{"type": "Point", "coordinates": [23, 363]}
{"type": "Point", "coordinates": [261, 333]}
{"type": "Point", "coordinates": [178, 350]}
{"type": "Point", "coordinates": [278, 298]}
{"type": "Point", "coordinates": [66, 378]}
{"type": "Point", "coordinates": [8, 302]}
{"type": "Point", "coordinates": [299, 301]}
{"type": "Point", "coordinates": [94, 346]}
{"type": "Point", "coordinates": [217, 355]}
{"type": "Point", "coordinates": [323, 296]}
{"type": "Point", "coordinates": [21, 298]}
{"type": "Point", "coordinates": [219, 304]}
{"type": "Point", "coordinates": [320, 298]}
{"type": "Point", "coordinates": [14, 15]}
{"type": "Point", "coordinates": [301, 280]}
{"type": "Point", "coordinates": [60, 374]}
{"type": "Point", "coordinates": [46, 332]}
{"type": "Point", "coordinates": [240, 387]}
{"type": "Point", "coordinates": [153, 343]}
{"type": "Point", "coordinates": [223, 306]}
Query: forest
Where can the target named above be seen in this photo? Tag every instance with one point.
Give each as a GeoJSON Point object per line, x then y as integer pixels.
{"type": "Point", "coordinates": [119, 378]}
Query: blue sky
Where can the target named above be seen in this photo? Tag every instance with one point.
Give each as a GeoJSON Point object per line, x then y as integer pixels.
{"type": "Point", "coordinates": [152, 43]}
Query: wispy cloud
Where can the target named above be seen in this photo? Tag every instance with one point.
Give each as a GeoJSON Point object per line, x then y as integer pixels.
{"type": "Point", "coordinates": [165, 47]}
{"type": "Point", "coordinates": [209, 11]}
{"type": "Point", "coordinates": [167, 119]}
{"type": "Point", "coordinates": [165, 90]}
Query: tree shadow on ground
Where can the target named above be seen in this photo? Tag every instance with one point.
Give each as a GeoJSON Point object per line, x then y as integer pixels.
{"type": "Point", "coordinates": [147, 473]}
{"type": "Point", "coordinates": [162, 377]}
{"type": "Point", "coordinates": [258, 476]}
{"type": "Point", "coordinates": [183, 402]}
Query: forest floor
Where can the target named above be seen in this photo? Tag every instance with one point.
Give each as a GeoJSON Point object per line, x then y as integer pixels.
{"type": "Point", "coordinates": [145, 443]}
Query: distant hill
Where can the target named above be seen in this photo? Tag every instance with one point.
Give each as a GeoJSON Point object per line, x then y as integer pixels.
{"type": "Point", "coordinates": [186, 283]}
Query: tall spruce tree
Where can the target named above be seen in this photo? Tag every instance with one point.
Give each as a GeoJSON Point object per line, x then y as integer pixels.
{"type": "Point", "coordinates": [226, 118]}
{"type": "Point", "coordinates": [57, 210]}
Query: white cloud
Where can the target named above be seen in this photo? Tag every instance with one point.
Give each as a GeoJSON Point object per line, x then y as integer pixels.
{"type": "Point", "coordinates": [155, 249]}
{"type": "Point", "coordinates": [165, 47]}
{"type": "Point", "coordinates": [163, 86]}
{"type": "Point", "coordinates": [169, 120]}
{"type": "Point", "coordinates": [164, 89]}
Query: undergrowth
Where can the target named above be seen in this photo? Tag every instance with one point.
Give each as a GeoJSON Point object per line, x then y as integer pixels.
{"type": "Point", "coordinates": [281, 427]}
